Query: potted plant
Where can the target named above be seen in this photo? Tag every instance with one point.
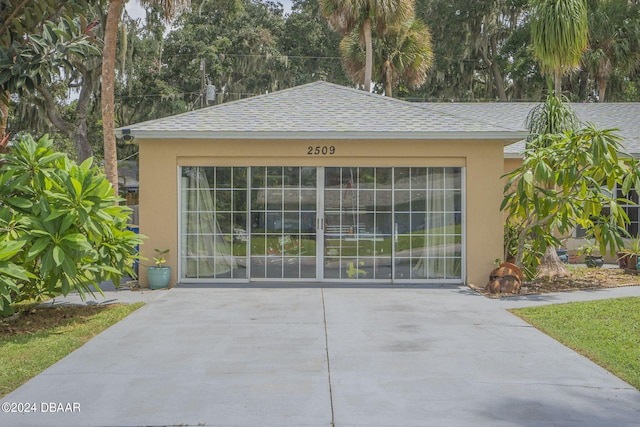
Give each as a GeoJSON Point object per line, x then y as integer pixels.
{"type": "Point", "coordinates": [629, 256]}
{"type": "Point", "coordinates": [563, 254]}
{"type": "Point", "coordinates": [592, 257]}
{"type": "Point", "coordinates": [573, 257]}
{"type": "Point", "coordinates": [159, 274]}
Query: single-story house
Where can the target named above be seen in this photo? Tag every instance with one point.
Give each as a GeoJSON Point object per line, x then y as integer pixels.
{"type": "Point", "coordinates": [322, 183]}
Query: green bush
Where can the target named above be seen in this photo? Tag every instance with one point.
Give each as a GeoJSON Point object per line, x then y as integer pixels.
{"type": "Point", "coordinates": [61, 228]}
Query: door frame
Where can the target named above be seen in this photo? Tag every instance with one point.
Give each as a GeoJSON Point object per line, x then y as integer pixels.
{"type": "Point", "coordinates": [320, 241]}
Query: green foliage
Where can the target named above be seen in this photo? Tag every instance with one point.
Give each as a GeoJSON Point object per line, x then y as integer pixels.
{"type": "Point", "coordinates": [62, 229]}
{"type": "Point", "coordinates": [559, 31]}
{"type": "Point", "coordinates": [159, 259]}
{"type": "Point", "coordinates": [21, 17]}
{"type": "Point", "coordinates": [312, 47]}
{"type": "Point", "coordinates": [552, 116]}
{"type": "Point", "coordinates": [403, 53]}
{"type": "Point", "coordinates": [613, 41]}
{"type": "Point", "coordinates": [588, 249]}
{"type": "Point", "coordinates": [570, 179]}
{"type": "Point", "coordinates": [238, 42]}
{"type": "Point", "coordinates": [604, 331]}
{"type": "Point", "coordinates": [55, 333]}
{"type": "Point", "coordinates": [33, 61]}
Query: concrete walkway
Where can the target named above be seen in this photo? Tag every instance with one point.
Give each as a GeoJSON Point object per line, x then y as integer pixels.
{"type": "Point", "coordinates": [308, 356]}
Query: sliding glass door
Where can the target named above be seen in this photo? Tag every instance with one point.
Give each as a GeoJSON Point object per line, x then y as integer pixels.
{"type": "Point", "coordinates": [379, 224]}
{"type": "Point", "coordinates": [283, 222]}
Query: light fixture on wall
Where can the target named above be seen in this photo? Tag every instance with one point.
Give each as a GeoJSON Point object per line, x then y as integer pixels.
{"type": "Point", "coordinates": [126, 135]}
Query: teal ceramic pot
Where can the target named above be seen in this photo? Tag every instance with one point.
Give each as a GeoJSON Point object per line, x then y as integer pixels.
{"type": "Point", "coordinates": [158, 277]}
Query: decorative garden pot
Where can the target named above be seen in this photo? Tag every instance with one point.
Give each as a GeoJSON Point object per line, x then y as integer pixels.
{"type": "Point", "coordinates": [158, 277]}
{"type": "Point", "coordinates": [563, 255]}
{"type": "Point", "coordinates": [594, 261]}
{"type": "Point", "coordinates": [628, 261]}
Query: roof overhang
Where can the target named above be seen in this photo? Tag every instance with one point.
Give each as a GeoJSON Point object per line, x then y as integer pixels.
{"type": "Point", "coordinates": [508, 136]}
{"type": "Point", "coordinates": [513, 155]}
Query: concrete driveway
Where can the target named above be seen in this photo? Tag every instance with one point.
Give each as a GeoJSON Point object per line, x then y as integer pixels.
{"type": "Point", "coordinates": [309, 356]}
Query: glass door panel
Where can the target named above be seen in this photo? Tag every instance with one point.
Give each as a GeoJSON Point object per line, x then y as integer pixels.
{"type": "Point", "coordinates": [428, 223]}
{"type": "Point", "coordinates": [283, 224]}
{"type": "Point", "coordinates": [213, 222]}
{"type": "Point", "coordinates": [358, 226]}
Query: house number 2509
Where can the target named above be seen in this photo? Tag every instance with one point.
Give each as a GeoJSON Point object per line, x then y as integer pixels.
{"type": "Point", "coordinates": [321, 150]}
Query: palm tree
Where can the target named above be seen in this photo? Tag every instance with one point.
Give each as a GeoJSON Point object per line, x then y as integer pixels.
{"type": "Point", "coordinates": [347, 15]}
{"type": "Point", "coordinates": [108, 78]}
{"type": "Point", "coordinates": [404, 53]}
{"type": "Point", "coordinates": [612, 42]}
{"type": "Point", "coordinates": [553, 116]}
{"type": "Point", "coordinates": [559, 31]}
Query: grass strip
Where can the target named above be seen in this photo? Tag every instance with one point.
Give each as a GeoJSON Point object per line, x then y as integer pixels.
{"type": "Point", "coordinates": [605, 331]}
{"type": "Point", "coordinates": [42, 336]}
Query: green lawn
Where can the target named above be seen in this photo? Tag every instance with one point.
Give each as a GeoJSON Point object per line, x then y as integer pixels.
{"type": "Point", "coordinates": [606, 331]}
{"type": "Point", "coordinates": [42, 336]}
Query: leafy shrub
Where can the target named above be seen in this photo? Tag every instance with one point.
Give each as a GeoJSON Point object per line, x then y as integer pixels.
{"type": "Point", "coordinates": [61, 228]}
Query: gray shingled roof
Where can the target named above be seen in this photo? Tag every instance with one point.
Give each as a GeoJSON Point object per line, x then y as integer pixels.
{"type": "Point", "coordinates": [322, 110]}
{"type": "Point", "coordinates": [622, 116]}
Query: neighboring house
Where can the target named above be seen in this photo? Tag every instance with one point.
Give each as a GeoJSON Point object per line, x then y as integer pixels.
{"type": "Point", "coordinates": [622, 116]}
{"type": "Point", "coordinates": [625, 117]}
{"type": "Point", "coordinates": [129, 186]}
{"type": "Point", "coordinates": [323, 183]}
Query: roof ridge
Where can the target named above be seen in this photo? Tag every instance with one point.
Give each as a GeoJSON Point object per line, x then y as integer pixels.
{"type": "Point", "coordinates": [322, 109]}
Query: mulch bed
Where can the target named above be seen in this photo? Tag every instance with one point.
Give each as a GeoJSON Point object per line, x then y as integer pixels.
{"type": "Point", "coordinates": [582, 279]}
{"type": "Point", "coordinates": [36, 319]}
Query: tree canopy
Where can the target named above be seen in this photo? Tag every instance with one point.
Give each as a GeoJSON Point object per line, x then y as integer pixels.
{"type": "Point", "coordinates": [481, 51]}
{"type": "Point", "coordinates": [559, 32]}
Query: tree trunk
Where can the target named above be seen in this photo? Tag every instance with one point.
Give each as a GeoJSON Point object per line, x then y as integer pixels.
{"type": "Point", "coordinates": [81, 141]}
{"type": "Point", "coordinates": [368, 44]}
{"type": "Point", "coordinates": [495, 70]}
{"type": "Point", "coordinates": [108, 88]}
{"type": "Point", "coordinates": [557, 80]}
{"type": "Point", "coordinates": [582, 86]}
{"type": "Point", "coordinates": [387, 89]}
{"type": "Point", "coordinates": [499, 82]}
{"type": "Point", "coordinates": [388, 80]}
{"type": "Point", "coordinates": [551, 267]}
{"type": "Point", "coordinates": [76, 130]}
{"type": "Point", "coordinates": [4, 115]}
{"type": "Point", "coordinates": [602, 88]}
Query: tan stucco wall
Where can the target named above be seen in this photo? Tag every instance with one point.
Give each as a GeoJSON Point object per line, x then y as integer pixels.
{"type": "Point", "coordinates": [511, 164]}
{"type": "Point", "coordinates": [483, 160]}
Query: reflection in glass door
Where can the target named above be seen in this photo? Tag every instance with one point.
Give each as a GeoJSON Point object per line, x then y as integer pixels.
{"type": "Point", "coordinates": [213, 222]}
{"type": "Point", "coordinates": [283, 222]}
{"type": "Point", "coordinates": [368, 223]}
{"type": "Point", "coordinates": [428, 223]}
{"type": "Point", "coordinates": [401, 223]}
{"type": "Point", "coordinates": [358, 226]}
